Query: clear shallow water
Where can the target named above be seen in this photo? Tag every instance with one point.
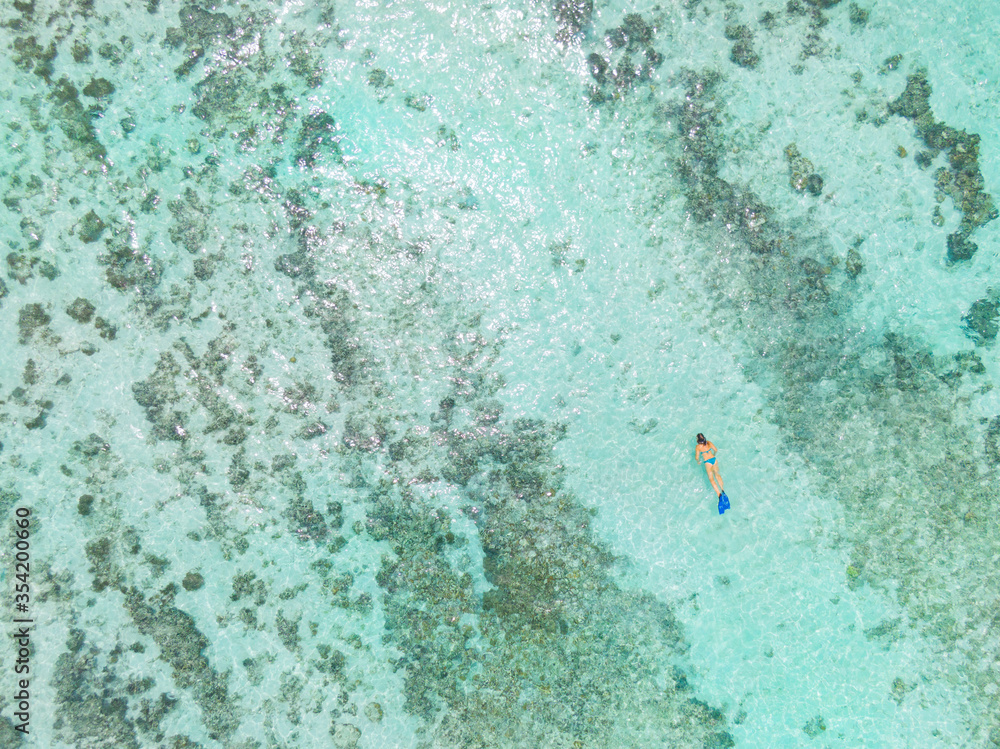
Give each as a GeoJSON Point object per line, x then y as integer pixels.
{"type": "Point", "coordinates": [406, 323]}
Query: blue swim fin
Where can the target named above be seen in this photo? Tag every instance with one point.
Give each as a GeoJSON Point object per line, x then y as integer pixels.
{"type": "Point", "coordinates": [723, 503]}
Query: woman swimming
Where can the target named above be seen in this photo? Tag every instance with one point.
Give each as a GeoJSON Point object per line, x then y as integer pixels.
{"type": "Point", "coordinates": [705, 453]}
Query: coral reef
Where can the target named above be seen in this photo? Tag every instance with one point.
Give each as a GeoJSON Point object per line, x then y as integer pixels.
{"type": "Point", "coordinates": [814, 727]}
{"type": "Point", "coordinates": [181, 646]}
{"type": "Point", "coordinates": [553, 609]}
{"type": "Point", "coordinates": [81, 310]}
{"type": "Point", "coordinates": [892, 397]}
{"type": "Point", "coordinates": [360, 507]}
{"type": "Point", "coordinates": [961, 179]}
{"type": "Point", "coordinates": [80, 690]}
{"type": "Point", "coordinates": [858, 15]}
{"type": "Point", "coordinates": [572, 17]}
{"type": "Point", "coordinates": [191, 218]}
{"type": "Point", "coordinates": [981, 319]}
{"type": "Point", "coordinates": [318, 135]}
{"type": "Point", "coordinates": [75, 120]}
{"type": "Point", "coordinates": [91, 227]}
{"type": "Point", "coordinates": [32, 319]}
{"type": "Point", "coordinates": [801, 174]}
{"type": "Point", "coordinates": [742, 52]}
{"type": "Point", "coordinates": [630, 58]}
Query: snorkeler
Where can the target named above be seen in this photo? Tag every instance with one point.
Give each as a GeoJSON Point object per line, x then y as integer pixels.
{"type": "Point", "coordinates": [705, 452]}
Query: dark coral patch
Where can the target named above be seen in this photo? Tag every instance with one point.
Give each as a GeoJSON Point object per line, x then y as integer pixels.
{"type": "Point", "coordinates": [98, 88]}
{"type": "Point", "coordinates": [962, 179]}
{"type": "Point", "coordinates": [627, 59]}
{"type": "Point", "coordinates": [572, 16]}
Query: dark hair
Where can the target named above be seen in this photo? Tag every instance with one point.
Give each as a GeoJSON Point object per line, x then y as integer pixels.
{"type": "Point", "coordinates": [701, 439]}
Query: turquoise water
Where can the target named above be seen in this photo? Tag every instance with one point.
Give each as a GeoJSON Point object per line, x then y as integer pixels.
{"type": "Point", "coordinates": [355, 353]}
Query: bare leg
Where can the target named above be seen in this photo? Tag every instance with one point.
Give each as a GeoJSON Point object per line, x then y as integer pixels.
{"type": "Point", "coordinates": [716, 478]}
{"type": "Point", "coordinates": [711, 478]}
